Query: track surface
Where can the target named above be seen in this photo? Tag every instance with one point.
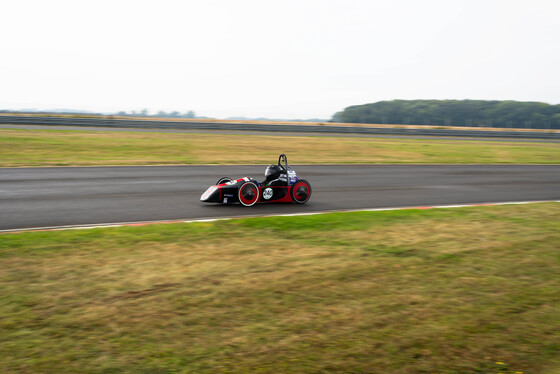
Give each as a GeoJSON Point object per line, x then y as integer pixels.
{"type": "Point", "coordinates": [270, 127]}
{"type": "Point", "coordinates": [41, 197]}
{"type": "Point", "coordinates": [238, 132]}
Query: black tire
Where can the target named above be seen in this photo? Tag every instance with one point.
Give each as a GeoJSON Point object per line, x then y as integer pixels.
{"type": "Point", "coordinates": [224, 180]}
{"type": "Point", "coordinates": [301, 191]}
{"type": "Point", "coordinates": [248, 194]}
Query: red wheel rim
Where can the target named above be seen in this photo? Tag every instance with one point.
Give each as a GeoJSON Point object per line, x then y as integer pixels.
{"type": "Point", "coordinates": [301, 191]}
{"type": "Point", "coordinates": [248, 194]}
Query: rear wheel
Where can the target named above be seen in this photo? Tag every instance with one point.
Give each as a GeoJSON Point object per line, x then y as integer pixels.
{"type": "Point", "coordinates": [301, 191]}
{"type": "Point", "coordinates": [224, 180]}
{"type": "Point", "coordinates": [248, 193]}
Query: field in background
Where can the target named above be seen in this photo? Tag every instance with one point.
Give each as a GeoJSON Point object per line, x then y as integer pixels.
{"type": "Point", "coordinates": [470, 290]}
{"type": "Point", "coordinates": [63, 148]}
{"type": "Point", "coordinates": [209, 120]}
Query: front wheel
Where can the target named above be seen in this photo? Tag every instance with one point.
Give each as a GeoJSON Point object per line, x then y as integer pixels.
{"type": "Point", "coordinates": [224, 180]}
{"type": "Point", "coordinates": [248, 193]}
{"type": "Point", "coordinates": [301, 191]}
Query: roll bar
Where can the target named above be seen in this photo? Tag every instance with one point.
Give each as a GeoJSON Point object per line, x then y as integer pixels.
{"type": "Point", "coordinates": [283, 158]}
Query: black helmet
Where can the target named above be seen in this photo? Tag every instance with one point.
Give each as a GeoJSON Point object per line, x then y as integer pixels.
{"type": "Point", "coordinates": [272, 172]}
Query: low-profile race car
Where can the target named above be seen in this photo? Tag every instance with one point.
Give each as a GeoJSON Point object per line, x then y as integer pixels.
{"type": "Point", "coordinates": [281, 185]}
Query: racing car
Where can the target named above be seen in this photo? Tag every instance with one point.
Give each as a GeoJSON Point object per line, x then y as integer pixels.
{"type": "Point", "coordinates": [281, 185]}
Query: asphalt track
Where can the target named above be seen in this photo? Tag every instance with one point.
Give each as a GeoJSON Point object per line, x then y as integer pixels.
{"type": "Point", "coordinates": [45, 197]}
{"type": "Point", "coordinates": [241, 132]}
{"type": "Point", "coordinates": [110, 122]}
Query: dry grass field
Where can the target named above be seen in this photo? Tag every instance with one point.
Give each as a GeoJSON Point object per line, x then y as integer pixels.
{"type": "Point", "coordinates": [64, 148]}
{"type": "Point", "coordinates": [470, 290]}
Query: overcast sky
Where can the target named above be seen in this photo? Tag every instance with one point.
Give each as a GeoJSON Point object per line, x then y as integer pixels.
{"type": "Point", "coordinates": [276, 59]}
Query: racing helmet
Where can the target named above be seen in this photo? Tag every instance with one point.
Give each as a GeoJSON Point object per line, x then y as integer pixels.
{"type": "Point", "coordinates": [272, 172]}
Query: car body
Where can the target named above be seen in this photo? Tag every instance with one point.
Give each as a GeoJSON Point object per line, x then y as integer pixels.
{"type": "Point", "coordinates": [288, 188]}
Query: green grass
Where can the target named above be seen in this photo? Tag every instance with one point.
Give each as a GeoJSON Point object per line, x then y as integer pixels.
{"type": "Point", "coordinates": [469, 290]}
{"type": "Point", "coordinates": [63, 148]}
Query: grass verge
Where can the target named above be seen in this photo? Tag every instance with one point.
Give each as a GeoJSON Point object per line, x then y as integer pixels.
{"type": "Point", "coordinates": [63, 148]}
{"type": "Point", "coordinates": [465, 290]}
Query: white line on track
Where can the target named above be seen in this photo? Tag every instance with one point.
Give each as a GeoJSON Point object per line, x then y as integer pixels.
{"type": "Point", "coordinates": [145, 223]}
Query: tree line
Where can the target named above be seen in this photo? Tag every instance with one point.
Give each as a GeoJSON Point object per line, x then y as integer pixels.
{"type": "Point", "coordinates": [467, 113]}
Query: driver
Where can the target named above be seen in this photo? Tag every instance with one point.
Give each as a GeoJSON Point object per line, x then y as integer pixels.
{"type": "Point", "coordinates": [274, 176]}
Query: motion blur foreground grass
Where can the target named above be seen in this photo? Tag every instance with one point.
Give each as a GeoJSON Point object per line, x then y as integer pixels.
{"type": "Point", "coordinates": [470, 290]}
{"type": "Point", "coordinates": [64, 148]}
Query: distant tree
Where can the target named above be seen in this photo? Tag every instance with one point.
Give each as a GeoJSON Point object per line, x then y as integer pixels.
{"type": "Point", "coordinates": [454, 113]}
{"type": "Point", "coordinates": [144, 113]}
{"type": "Point", "coordinates": [189, 114]}
{"type": "Point", "coordinates": [338, 117]}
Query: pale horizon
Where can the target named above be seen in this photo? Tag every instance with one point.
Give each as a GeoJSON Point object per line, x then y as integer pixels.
{"type": "Point", "coordinates": [288, 60]}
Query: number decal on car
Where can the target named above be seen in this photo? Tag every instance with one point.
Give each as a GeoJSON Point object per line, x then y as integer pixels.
{"type": "Point", "coordinates": [267, 193]}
